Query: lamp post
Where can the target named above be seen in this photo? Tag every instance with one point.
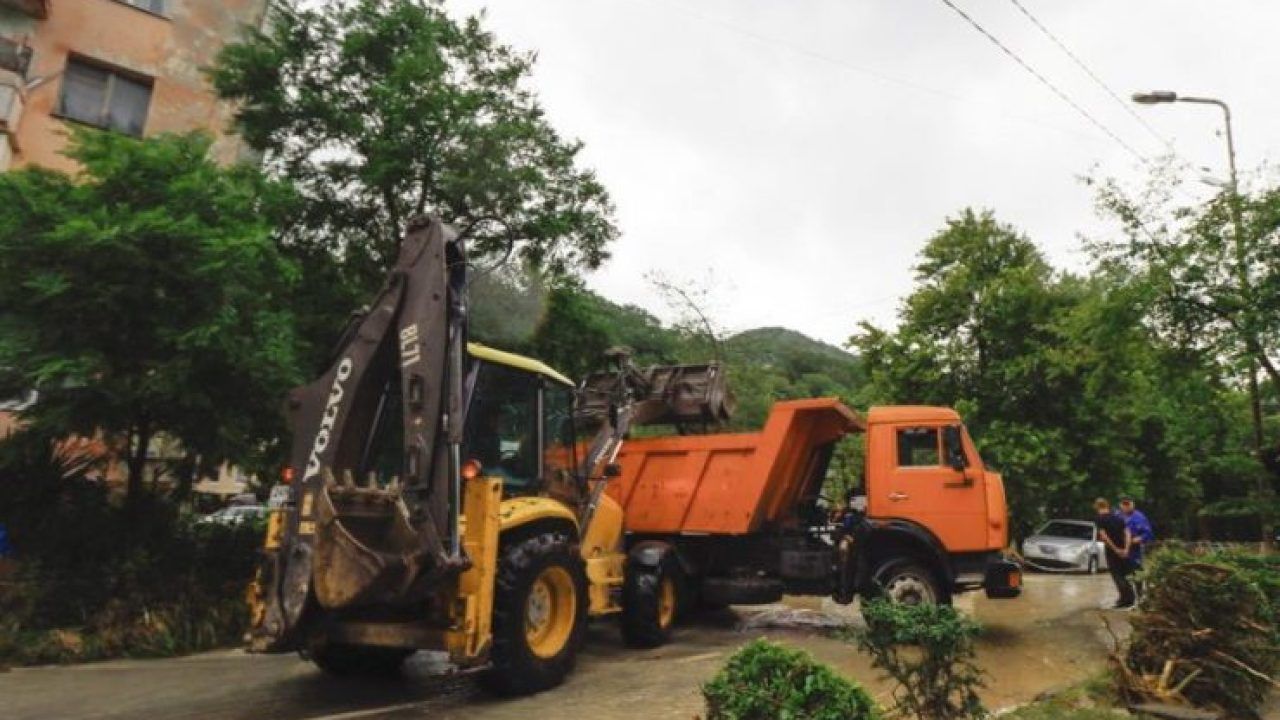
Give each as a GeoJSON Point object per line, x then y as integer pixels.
{"type": "Point", "coordinates": [1237, 219]}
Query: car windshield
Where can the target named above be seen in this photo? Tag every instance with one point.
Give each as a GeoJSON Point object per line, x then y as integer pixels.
{"type": "Point", "coordinates": [1075, 531]}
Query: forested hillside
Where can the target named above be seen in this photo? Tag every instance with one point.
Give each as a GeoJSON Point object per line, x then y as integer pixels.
{"type": "Point", "coordinates": [575, 326]}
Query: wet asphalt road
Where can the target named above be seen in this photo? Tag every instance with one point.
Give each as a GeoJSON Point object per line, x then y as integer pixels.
{"type": "Point", "coordinates": [1051, 637]}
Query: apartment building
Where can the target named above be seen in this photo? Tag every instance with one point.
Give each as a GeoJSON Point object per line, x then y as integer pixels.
{"type": "Point", "coordinates": [131, 66]}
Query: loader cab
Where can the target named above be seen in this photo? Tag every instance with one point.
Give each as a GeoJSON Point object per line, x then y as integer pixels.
{"type": "Point", "coordinates": [519, 422]}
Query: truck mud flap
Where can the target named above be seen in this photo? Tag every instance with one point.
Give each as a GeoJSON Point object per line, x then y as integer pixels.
{"type": "Point", "coordinates": [1002, 580]}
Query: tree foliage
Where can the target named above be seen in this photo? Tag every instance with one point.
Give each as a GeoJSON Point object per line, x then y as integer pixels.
{"type": "Point", "coordinates": [1065, 386]}
{"type": "Point", "coordinates": [1215, 288]}
{"type": "Point", "coordinates": [144, 296]}
{"type": "Point", "coordinates": [383, 109]}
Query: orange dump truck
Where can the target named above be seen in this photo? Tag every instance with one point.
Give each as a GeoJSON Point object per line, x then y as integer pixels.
{"type": "Point", "coordinates": [738, 518]}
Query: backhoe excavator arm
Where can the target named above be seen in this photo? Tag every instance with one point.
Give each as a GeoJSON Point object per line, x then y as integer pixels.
{"type": "Point", "coordinates": [411, 342]}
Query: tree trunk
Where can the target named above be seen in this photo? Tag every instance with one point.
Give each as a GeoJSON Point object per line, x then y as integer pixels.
{"type": "Point", "coordinates": [137, 461]}
{"type": "Point", "coordinates": [186, 474]}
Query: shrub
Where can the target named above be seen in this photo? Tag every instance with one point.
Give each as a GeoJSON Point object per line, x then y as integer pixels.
{"type": "Point", "coordinates": [764, 681]}
{"type": "Point", "coordinates": [95, 581]}
{"type": "Point", "coordinates": [928, 650]}
{"type": "Point", "coordinates": [1207, 631]}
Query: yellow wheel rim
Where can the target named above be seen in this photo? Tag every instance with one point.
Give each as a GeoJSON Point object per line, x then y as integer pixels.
{"type": "Point", "coordinates": [549, 612]}
{"type": "Point", "coordinates": [666, 603]}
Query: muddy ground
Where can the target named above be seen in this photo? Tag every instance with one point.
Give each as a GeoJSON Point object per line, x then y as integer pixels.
{"type": "Point", "coordinates": [1050, 637]}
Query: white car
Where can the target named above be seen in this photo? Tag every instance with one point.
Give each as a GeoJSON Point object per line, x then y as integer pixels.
{"type": "Point", "coordinates": [235, 515]}
{"type": "Point", "coordinates": [1066, 545]}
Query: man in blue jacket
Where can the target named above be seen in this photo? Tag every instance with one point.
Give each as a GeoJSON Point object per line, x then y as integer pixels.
{"type": "Point", "coordinates": [1139, 527]}
{"type": "Point", "coordinates": [1141, 534]}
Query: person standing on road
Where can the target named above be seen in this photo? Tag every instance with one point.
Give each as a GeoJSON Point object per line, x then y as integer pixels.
{"type": "Point", "coordinates": [1139, 530]}
{"type": "Point", "coordinates": [1141, 534]}
{"type": "Point", "coordinates": [1114, 534]}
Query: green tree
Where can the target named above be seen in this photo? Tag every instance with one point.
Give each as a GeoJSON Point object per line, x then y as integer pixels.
{"type": "Point", "coordinates": [1216, 285]}
{"type": "Point", "coordinates": [1067, 389]}
{"type": "Point", "coordinates": [379, 110]}
{"type": "Point", "coordinates": [144, 296]}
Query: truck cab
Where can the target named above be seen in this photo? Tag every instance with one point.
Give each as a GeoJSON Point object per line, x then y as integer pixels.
{"type": "Point", "coordinates": [928, 493]}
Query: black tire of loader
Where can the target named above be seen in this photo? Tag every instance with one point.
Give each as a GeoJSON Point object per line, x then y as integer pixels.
{"type": "Point", "coordinates": [358, 660]}
{"type": "Point", "coordinates": [641, 595]}
{"type": "Point", "coordinates": [515, 669]}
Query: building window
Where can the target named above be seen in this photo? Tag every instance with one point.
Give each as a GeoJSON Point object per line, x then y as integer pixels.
{"type": "Point", "coordinates": [104, 98]}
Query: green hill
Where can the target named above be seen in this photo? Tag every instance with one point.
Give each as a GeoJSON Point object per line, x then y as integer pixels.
{"type": "Point", "coordinates": [773, 363]}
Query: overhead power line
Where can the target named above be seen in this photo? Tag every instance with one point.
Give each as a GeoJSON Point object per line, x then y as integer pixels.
{"type": "Point", "coordinates": [812, 54]}
{"type": "Point", "coordinates": [1128, 107]}
{"type": "Point", "coordinates": [1043, 80]}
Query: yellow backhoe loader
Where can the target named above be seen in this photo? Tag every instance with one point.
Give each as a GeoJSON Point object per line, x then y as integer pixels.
{"type": "Point", "coordinates": [441, 498]}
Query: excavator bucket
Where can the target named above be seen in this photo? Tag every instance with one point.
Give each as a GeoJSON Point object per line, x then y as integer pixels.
{"type": "Point", "coordinates": [687, 396]}
{"type": "Point", "coordinates": [366, 550]}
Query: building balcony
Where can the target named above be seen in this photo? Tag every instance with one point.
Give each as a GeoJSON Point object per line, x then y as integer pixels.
{"type": "Point", "coordinates": [38, 9]}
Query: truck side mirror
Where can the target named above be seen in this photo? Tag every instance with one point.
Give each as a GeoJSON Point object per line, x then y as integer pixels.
{"type": "Point", "coordinates": [954, 448]}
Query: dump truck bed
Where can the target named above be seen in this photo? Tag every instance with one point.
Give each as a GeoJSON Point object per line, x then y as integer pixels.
{"type": "Point", "coordinates": [729, 483]}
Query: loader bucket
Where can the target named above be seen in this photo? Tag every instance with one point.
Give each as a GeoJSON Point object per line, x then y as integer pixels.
{"type": "Point", "coordinates": [366, 551]}
{"type": "Point", "coordinates": [680, 395]}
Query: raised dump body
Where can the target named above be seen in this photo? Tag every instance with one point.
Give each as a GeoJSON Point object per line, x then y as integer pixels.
{"type": "Point", "coordinates": [731, 483]}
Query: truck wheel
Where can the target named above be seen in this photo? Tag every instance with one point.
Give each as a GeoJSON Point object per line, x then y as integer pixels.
{"type": "Point", "coordinates": [651, 599]}
{"type": "Point", "coordinates": [539, 614]}
{"type": "Point", "coordinates": [909, 582]}
{"type": "Point", "coordinates": [358, 660]}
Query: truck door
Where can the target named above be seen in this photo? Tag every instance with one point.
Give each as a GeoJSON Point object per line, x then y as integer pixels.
{"type": "Point", "coordinates": [917, 483]}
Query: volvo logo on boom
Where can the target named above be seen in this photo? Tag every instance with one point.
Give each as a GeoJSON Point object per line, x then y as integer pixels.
{"type": "Point", "coordinates": [330, 416]}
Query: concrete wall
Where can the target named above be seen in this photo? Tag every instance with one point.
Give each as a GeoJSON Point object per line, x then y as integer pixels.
{"type": "Point", "coordinates": [170, 49]}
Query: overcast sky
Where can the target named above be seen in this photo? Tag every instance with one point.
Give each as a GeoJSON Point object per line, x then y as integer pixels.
{"type": "Point", "coordinates": [806, 149]}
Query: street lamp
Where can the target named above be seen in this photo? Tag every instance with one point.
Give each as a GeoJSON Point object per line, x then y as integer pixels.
{"type": "Point", "coordinates": [1152, 98]}
{"type": "Point", "coordinates": [1167, 96]}
{"type": "Point", "coordinates": [1237, 218]}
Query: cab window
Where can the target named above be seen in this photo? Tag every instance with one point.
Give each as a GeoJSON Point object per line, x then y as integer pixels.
{"type": "Point", "coordinates": [501, 430]}
{"type": "Point", "coordinates": [918, 447]}
{"type": "Point", "coordinates": [558, 434]}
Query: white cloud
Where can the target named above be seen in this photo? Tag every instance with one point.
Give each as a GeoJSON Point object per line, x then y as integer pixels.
{"type": "Point", "coordinates": [807, 150]}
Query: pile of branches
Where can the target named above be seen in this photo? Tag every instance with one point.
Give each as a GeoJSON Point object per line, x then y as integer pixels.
{"type": "Point", "coordinates": [1206, 635]}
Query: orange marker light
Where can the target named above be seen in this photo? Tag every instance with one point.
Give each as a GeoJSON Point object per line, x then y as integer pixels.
{"type": "Point", "coordinates": [471, 469]}
{"type": "Point", "coordinates": [286, 475]}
